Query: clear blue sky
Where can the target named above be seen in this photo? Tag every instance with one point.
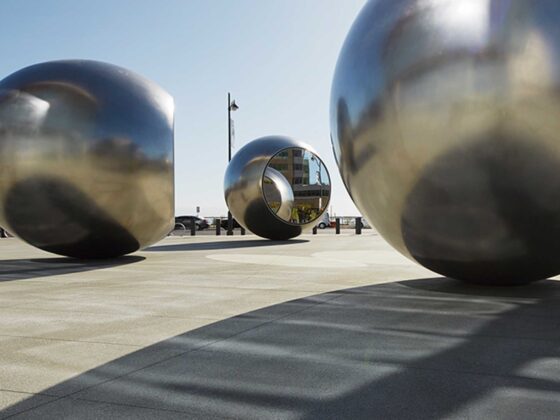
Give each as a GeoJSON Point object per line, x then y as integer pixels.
{"type": "Point", "coordinates": [277, 58]}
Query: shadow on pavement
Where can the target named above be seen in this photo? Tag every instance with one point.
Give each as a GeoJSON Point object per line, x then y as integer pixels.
{"type": "Point", "coordinates": [21, 269]}
{"type": "Point", "coordinates": [419, 349]}
{"type": "Point", "coordinates": [210, 246]}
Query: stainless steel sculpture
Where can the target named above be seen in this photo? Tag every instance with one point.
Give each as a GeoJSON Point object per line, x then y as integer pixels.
{"type": "Point", "coordinates": [277, 187]}
{"type": "Point", "coordinates": [446, 129]}
{"type": "Point", "coordinates": [280, 190]}
{"type": "Point", "coordinates": [86, 159]}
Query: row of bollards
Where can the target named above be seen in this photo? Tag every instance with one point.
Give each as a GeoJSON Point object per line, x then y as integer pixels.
{"type": "Point", "coordinates": [229, 231]}
{"type": "Point", "coordinates": [358, 228]}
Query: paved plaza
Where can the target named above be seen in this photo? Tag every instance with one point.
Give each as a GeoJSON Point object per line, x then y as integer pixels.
{"type": "Point", "coordinates": [319, 327]}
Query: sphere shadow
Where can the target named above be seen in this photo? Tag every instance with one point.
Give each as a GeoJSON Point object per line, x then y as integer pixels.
{"type": "Point", "coordinates": [211, 246]}
{"type": "Point", "coordinates": [22, 269]}
{"type": "Point", "coordinates": [422, 349]}
{"type": "Point", "coordinates": [543, 289]}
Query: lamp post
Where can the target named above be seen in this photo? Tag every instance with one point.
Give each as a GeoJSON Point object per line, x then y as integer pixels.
{"type": "Point", "coordinates": [232, 106]}
{"type": "Point", "coordinates": [319, 181]}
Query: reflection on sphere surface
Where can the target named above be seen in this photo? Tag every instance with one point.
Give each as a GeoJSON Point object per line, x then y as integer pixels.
{"type": "Point", "coordinates": [86, 158]}
{"type": "Point", "coordinates": [445, 129]}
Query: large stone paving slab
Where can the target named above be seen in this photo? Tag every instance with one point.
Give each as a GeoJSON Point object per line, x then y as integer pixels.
{"type": "Point", "coordinates": [324, 327]}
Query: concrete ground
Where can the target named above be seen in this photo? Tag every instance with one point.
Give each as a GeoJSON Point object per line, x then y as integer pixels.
{"type": "Point", "coordinates": [319, 327]}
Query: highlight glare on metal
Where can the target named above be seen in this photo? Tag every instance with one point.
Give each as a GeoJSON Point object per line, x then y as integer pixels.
{"type": "Point", "coordinates": [445, 127]}
{"type": "Point", "coordinates": [86, 158]}
{"type": "Point", "coordinates": [270, 199]}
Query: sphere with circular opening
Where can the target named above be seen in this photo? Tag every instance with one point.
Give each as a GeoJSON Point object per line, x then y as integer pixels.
{"type": "Point", "coordinates": [277, 187]}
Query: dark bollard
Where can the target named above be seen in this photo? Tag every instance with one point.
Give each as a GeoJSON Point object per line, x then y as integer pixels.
{"type": "Point", "coordinates": [218, 227]}
{"type": "Point", "coordinates": [338, 225]}
{"type": "Point", "coordinates": [242, 231]}
{"type": "Point", "coordinates": [315, 230]}
{"type": "Point", "coordinates": [358, 225]}
{"type": "Point", "coordinates": [193, 228]}
{"type": "Point", "coordinates": [229, 224]}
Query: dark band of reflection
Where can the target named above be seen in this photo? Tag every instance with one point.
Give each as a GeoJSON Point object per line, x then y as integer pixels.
{"type": "Point", "coordinates": [259, 218]}
{"type": "Point", "coordinates": [487, 212]}
{"type": "Point", "coordinates": [57, 217]}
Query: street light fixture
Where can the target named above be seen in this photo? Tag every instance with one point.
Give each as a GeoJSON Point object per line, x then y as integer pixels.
{"type": "Point", "coordinates": [232, 106]}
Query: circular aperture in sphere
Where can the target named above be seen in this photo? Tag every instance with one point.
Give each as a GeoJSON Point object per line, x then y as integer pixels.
{"type": "Point", "coordinates": [296, 186]}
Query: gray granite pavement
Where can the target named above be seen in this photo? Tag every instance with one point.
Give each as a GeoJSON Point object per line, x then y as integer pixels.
{"type": "Point", "coordinates": [323, 327]}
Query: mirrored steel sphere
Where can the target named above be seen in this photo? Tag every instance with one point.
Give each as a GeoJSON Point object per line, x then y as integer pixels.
{"type": "Point", "coordinates": [277, 187]}
{"type": "Point", "coordinates": [445, 127]}
{"type": "Point", "coordinates": [86, 159]}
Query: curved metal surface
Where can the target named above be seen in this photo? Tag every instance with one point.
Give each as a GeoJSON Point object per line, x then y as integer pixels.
{"type": "Point", "coordinates": [243, 186]}
{"type": "Point", "coordinates": [86, 158]}
{"type": "Point", "coordinates": [444, 118]}
{"type": "Point", "coordinates": [283, 189]}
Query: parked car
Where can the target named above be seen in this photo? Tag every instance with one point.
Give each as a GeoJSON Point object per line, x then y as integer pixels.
{"type": "Point", "coordinates": [325, 221]}
{"type": "Point", "coordinates": [224, 223]}
{"type": "Point", "coordinates": [187, 221]}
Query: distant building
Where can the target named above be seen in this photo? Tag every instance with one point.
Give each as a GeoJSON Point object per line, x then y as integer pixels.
{"type": "Point", "coordinates": [296, 166]}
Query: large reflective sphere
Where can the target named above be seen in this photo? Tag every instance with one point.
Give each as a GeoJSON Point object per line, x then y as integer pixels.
{"type": "Point", "coordinates": [86, 159]}
{"type": "Point", "coordinates": [445, 125]}
{"type": "Point", "coordinates": [277, 187]}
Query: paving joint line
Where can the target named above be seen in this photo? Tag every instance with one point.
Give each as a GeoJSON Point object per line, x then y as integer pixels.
{"type": "Point", "coordinates": [71, 341]}
{"type": "Point", "coordinates": [27, 392]}
{"type": "Point", "coordinates": [146, 407]}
